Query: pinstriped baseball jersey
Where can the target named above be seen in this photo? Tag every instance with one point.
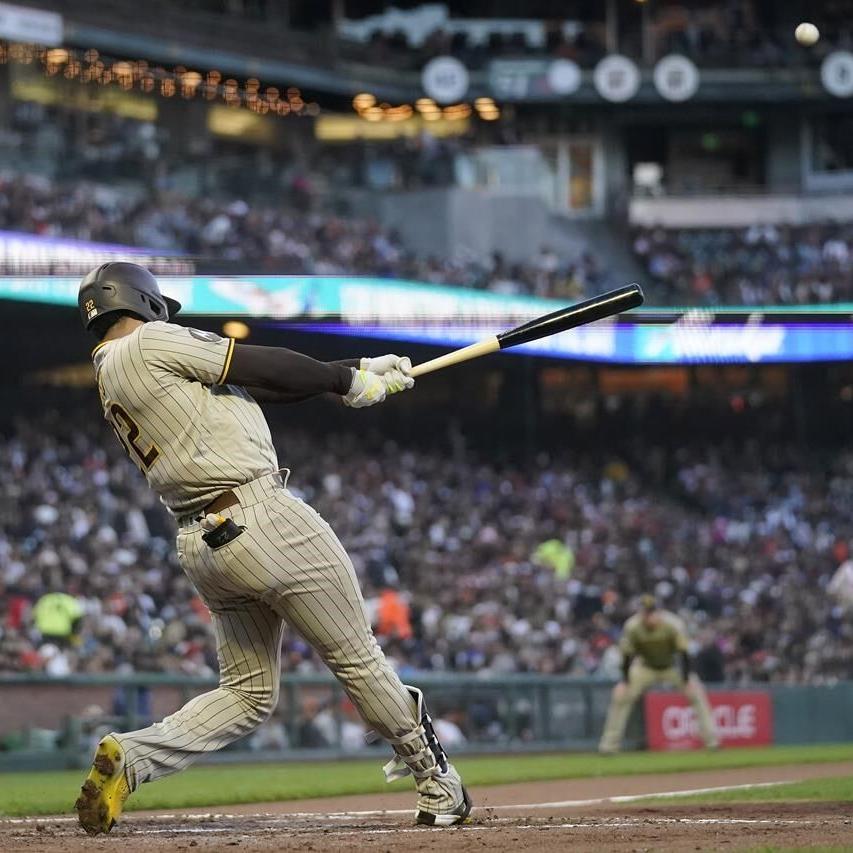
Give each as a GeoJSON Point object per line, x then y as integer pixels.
{"type": "Point", "coordinates": [194, 437]}
{"type": "Point", "coordinates": [191, 435]}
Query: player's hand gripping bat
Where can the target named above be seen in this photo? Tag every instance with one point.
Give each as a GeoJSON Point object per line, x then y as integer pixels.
{"type": "Point", "coordinates": [606, 305]}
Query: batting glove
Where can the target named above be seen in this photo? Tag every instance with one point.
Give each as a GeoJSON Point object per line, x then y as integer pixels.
{"type": "Point", "coordinates": [383, 363]}
{"type": "Point", "coordinates": [367, 389]}
{"type": "Point", "coordinates": [396, 381]}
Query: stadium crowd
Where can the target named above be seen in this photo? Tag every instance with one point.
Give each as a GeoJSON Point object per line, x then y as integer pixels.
{"type": "Point", "coordinates": [759, 265]}
{"type": "Point", "coordinates": [293, 239]}
{"type": "Point", "coordinates": [467, 564]}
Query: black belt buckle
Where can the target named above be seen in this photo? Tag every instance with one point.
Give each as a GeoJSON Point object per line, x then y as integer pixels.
{"type": "Point", "coordinates": [222, 534]}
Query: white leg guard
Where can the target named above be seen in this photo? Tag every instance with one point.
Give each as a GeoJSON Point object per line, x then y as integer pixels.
{"type": "Point", "coordinates": [442, 800]}
{"type": "Point", "coordinates": [418, 752]}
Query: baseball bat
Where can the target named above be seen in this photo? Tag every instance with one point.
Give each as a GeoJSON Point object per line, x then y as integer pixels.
{"type": "Point", "coordinates": [605, 305]}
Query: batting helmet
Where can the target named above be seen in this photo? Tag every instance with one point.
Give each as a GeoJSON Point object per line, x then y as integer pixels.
{"type": "Point", "coordinates": [120, 286]}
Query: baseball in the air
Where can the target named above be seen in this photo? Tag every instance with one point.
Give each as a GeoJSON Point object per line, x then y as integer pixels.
{"type": "Point", "coordinates": [806, 34]}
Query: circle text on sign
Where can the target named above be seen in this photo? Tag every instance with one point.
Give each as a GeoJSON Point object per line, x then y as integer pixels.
{"type": "Point", "coordinates": [676, 78]}
{"type": "Point", "coordinates": [564, 77]}
{"type": "Point", "coordinates": [616, 78]}
{"type": "Point", "coordinates": [445, 79]}
{"type": "Point", "coordinates": [836, 73]}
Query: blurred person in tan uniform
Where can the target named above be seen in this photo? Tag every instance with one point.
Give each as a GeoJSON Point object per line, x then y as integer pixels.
{"type": "Point", "coordinates": [654, 649]}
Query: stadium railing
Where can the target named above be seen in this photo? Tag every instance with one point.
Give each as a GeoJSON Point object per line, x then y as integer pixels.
{"type": "Point", "coordinates": [54, 722]}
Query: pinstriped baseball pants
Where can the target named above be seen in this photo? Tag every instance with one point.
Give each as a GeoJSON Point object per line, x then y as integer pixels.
{"type": "Point", "coordinates": [287, 566]}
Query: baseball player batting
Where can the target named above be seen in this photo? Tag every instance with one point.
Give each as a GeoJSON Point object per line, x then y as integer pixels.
{"type": "Point", "coordinates": [184, 404]}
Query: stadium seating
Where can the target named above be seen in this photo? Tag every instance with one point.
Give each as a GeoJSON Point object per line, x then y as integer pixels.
{"type": "Point", "coordinates": [742, 544]}
{"type": "Point", "coordinates": [760, 265]}
{"type": "Point", "coordinates": [289, 238]}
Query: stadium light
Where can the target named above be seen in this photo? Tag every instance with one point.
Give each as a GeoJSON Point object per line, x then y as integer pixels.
{"type": "Point", "coordinates": [129, 74]}
{"type": "Point", "coordinates": [363, 101]}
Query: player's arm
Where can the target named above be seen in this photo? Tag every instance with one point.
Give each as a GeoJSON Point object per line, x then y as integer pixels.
{"type": "Point", "coordinates": [292, 376]}
{"type": "Point", "coordinates": [263, 395]}
{"type": "Point", "coordinates": [287, 374]}
{"type": "Point", "coordinates": [682, 648]}
{"type": "Point", "coordinates": [380, 366]}
{"type": "Point", "coordinates": [278, 373]}
{"type": "Point", "coordinates": [629, 652]}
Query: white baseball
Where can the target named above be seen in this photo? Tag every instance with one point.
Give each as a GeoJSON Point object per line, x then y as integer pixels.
{"type": "Point", "coordinates": [806, 34]}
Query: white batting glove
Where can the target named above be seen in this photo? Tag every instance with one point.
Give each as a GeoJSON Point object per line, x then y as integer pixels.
{"type": "Point", "coordinates": [367, 389]}
{"type": "Point", "coordinates": [396, 381]}
{"type": "Point", "coordinates": [383, 363]}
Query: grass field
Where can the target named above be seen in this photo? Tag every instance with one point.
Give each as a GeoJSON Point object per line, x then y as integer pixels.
{"type": "Point", "coordinates": [839, 789]}
{"type": "Point", "coordinates": [54, 792]}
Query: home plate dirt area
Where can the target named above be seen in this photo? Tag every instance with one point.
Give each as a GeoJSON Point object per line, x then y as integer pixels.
{"type": "Point", "coordinates": [576, 814]}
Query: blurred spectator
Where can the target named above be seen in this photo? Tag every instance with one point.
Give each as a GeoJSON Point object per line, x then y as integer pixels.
{"type": "Point", "coordinates": [269, 736]}
{"type": "Point", "coordinates": [759, 265]}
{"type": "Point", "coordinates": [709, 663]}
{"type": "Point", "coordinates": [57, 617]}
{"type": "Point", "coordinates": [557, 555]}
{"type": "Point", "coordinates": [841, 585]}
{"type": "Point", "coordinates": [448, 727]}
{"type": "Point", "coordinates": [344, 728]}
{"type": "Point", "coordinates": [392, 616]}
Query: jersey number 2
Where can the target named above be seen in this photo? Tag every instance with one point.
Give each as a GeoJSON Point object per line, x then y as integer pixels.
{"type": "Point", "coordinates": [124, 423]}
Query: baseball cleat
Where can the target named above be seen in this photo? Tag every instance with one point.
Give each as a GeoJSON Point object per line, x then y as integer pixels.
{"type": "Point", "coordinates": [443, 800]}
{"type": "Point", "coordinates": [105, 789]}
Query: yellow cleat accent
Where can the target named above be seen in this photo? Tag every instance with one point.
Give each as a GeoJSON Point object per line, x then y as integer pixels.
{"type": "Point", "coordinates": [103, 793]}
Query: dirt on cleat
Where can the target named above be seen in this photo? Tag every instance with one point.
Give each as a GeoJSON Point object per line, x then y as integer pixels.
{"type": "Point", "coordinates": [104, 791]}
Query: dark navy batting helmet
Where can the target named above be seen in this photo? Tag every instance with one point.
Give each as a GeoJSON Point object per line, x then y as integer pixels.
{"type": "Point", "coordinates": [120, 286]}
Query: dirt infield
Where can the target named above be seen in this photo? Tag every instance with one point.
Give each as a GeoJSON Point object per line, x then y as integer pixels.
{"type": "Point", "coordinates": [548, 816]}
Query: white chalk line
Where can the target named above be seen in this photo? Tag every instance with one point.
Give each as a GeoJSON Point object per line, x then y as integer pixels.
{"type": "Point", "coordinates": [283, 818]}
{"type": "Point", "coordinates": [634, 798]}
